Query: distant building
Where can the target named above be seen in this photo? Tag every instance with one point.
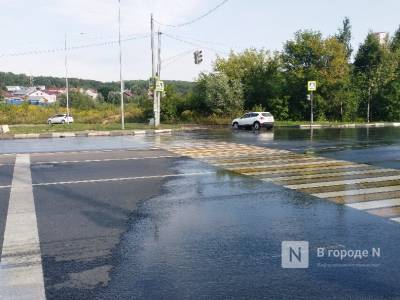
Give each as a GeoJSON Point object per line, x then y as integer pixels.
{"type": "Point", "coordinates": [92, 94]}
{"type": "Point", "coordinates": [13, 88]}
{"type": "Point", "coordinates": [33, 95]}
{"type": "Point", "coordinates": [42, 97]}
{"type": "Point", "coordinates": [382, 37]}
{"type": "Point", "coordinates": [128, 93]}
{"type": "Point", "coordinates": [14, 101]}
{"type": "Point", "coordinates": [54, 91]}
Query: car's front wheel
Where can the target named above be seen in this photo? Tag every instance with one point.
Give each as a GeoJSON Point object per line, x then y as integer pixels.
{"type": "Point", "coordinates": [256, 126]}
{"type": "Point", "coordinates": [49, 122]}
{"type": "Point", "coordinates": [235, 125]}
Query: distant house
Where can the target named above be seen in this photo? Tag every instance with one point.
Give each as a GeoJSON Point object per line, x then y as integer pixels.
{"type": "Point", "coordinates": [382, 37]}
{"type": "Point", "coordinates": [92, 94]}
{"type": "Point", "coordinates": [14, 101]}
{"type": "Point", "coordinates": [17, 95]}
{"type": "Point", "coordinates": [38, 100]}
{"type": "Point", "coordinates": [13, 88]}
{"type": "Point", "coordinates": [128, 93]}
{"type": "Point", "coordinates": [42, 97]}
{"type": "Point", "coordinates": [54, 91]}
{"type": "Point", "coordinates": [24, 91]}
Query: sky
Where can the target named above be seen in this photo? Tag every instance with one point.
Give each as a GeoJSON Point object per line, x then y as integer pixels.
{"type": "Point", "coordinates": [29, 26]}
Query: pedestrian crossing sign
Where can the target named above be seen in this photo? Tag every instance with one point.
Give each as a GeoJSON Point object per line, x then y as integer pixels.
{"type": "Point", "coordinates": [159, 86]}
{"type": "Point", "coordinates": [312, 86]}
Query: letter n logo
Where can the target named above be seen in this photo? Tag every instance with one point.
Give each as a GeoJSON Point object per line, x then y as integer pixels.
{"type": "Point", "coordinates": [295, 254]}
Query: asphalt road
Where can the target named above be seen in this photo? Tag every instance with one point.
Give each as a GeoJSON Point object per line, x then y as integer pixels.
{"type": "Point", "coordinates": [204, 215]}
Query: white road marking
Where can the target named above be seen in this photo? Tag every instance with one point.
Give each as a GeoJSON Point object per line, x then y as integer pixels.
{"type": "Point", "coordinates": [375, 204]}
{"type": "Point", "coordinates": [358, 192]}
{"type": "Point", "coordinates": [261, 166]}
{"type": "Point", "coordinates": [302, 170]}
{"type": "Point", "coordinates": [103, 160]}
{"type": "Point", "coordinates": [269, 161]}
{"type": "Point", "coordinates": [341, 182]}
{"type": "Point", "coordinates": [82, 151]}
{"type": "Point", "coordinates": [395, 219]}
{"type": "Point", "coordinates": [327, 175]}
{"type": "Point", "coordinates": [21, 274]}
{"type": "Point", "coordinates": [122, 179]}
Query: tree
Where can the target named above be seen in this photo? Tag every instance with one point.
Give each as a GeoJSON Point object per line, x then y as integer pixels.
{"type": "Point", "coordinates": [172, 104]}
{"type": "Point", "coordinates": [77, 100]}
{"type": "Point", "coordinates": [215, 93]}
{"type": "Point", "coordinates": [374, 68]}
{"type": "Point", "coordinates": [311, 57]}
{"type": "Point", "coordinates": [344, 36]}
{"type": "Point", "coordinates": [395, 42]}
{"type": "Point", "coordinates": [260, 74]}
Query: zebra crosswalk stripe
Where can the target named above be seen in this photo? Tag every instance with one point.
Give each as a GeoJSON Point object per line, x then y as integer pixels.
{"type": "Point", "coordinates": [358, 186]}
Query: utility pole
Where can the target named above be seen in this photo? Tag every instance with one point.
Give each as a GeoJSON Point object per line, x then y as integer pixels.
{"type": "Point", "coordinates": [158, 93]}
{"type": "Point", "coordinates": [159, 55]}
{"type": "Point", "coordinates": [120, 67]}
{"type": "Point", "coordinates": [66, 77]}
{"type": "Point", "coordinates": [153, 73]}
{"type": "Point", "coordinates": [153, 65]}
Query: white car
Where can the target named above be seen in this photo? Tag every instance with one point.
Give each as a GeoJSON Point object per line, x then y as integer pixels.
{"type": "Point", "coordinates": [255, 120]}
{"type": "Point", "coordinates": [60, 119]}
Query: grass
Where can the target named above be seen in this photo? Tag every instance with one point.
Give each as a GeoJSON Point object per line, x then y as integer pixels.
{"type": "Point", "coordinates": [44, 128]}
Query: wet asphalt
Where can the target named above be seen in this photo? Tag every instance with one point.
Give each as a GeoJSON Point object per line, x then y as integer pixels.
{"type": "Point", "coordinates": [211, 236]}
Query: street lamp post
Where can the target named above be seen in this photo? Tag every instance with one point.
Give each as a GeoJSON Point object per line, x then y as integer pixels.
{"type": "Point", "coordinates": [66, 77]}
{"type": "Point", "coordinates": [120, 67]}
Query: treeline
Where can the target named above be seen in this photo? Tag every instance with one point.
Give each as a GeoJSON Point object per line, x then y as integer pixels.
{"type": "Point", "coordinates": [360, 87]}
{"type": "Point", "coordinates": [136, 87]}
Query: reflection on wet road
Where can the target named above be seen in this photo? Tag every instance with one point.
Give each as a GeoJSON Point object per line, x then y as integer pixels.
{"type": "Point", "coordinates": [280, 166]}
{"type": "Point", "coordinates": [203, 214]}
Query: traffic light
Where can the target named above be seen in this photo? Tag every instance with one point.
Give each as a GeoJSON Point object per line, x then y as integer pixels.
{"type": "Point", "coordinates": [198, 57]}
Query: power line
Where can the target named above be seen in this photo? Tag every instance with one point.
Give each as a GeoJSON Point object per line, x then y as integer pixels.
{"type": "Point", "coordinates": [196, 19]}
{"type": "Point", "coordinates": [204, 41]}
{"type": "Point", "coordinates": [196, 44]}
{"type": "Point", "coordinates": [71, 48]}
{"type": "Point", "coordinates": [173, 59]}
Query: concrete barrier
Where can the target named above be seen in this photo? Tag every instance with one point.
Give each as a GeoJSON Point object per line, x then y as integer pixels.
{"type": "Point", "coordinates": [99, 133]}
{"type": "Point", "coordinates": [4, 129]}
{"type": "Point", "coordinates": [140, 132]}
{"type": "Point", "coordinates": [63, 134]}
{"type": "Point", "coordinates": [26, 136]}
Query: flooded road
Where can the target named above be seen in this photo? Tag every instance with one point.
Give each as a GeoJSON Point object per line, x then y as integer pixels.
{"type": "Point", "coordinates": [200, 215]}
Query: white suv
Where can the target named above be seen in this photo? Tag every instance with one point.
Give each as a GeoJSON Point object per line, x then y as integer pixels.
{"type": "Point", "coordinates": [60, 119]}
{"type": "Point", "coordinates": [255, 120]}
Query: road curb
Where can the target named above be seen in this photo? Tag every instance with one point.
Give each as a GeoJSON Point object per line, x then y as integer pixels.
{"type": "Point", "coordinates": [352, 125]}
{"type": "Point", "coordinates": [20, 136]}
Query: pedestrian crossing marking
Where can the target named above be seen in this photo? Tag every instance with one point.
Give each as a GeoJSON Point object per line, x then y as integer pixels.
{"type": "Point", "coordinates": [359, 186]}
